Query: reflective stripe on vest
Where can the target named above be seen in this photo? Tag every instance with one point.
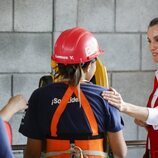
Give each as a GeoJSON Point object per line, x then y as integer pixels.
{"type": "Point", "coordinates": [64, 148]}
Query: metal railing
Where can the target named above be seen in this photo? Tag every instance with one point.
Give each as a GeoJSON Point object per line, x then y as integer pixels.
{"type": "Point", "coordinates": [134, 143]}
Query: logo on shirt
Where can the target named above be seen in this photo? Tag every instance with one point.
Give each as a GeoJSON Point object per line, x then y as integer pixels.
{"type": "Point", "coordinates": [57, 100]}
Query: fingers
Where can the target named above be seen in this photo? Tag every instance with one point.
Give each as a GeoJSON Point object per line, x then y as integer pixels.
{"type": "Point", "coordinates": [113, 98]}
{"type": "Point", "coordinates": [116, 103]}
{"type": "Point", "coordinates": [110, 94]}
{"type": "Point", "coordinates": [113, 90]}
{"type": "Point", "coordinates": [18, 102]}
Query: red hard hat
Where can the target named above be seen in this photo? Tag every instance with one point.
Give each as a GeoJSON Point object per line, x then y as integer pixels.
{"type": "Point", "coordinates": [74, 46]}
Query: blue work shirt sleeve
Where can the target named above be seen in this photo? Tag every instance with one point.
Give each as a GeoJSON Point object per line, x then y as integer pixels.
{"type": "Point", "coordinates": [30, 125]}
{"type": "Point", "coordinates": [115, 121]}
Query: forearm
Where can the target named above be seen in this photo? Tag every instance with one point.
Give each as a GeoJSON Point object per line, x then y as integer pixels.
{"type": "Point", "coordinates": [117, 144]}
{"type": "Point", "coordinates": [138, 112]}
{"type": "Point", "coordinates": [15, 104]}
{"type": "Point", "coordinates": [33, 148]}
{"type": "Point", "coordinates": [28, 154]}
{"type": "Point", "coordinates": [6, 113]}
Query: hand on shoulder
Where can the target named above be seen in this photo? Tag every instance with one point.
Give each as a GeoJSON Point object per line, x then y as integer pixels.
{"type": "Point", "coordinates": [114, 98]}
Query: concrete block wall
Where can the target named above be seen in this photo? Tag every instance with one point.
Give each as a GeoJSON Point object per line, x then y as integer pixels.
{"type": "Point", "coordinates": [29, 28]}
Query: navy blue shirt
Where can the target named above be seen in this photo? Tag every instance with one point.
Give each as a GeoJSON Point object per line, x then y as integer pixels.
{"type": "Point", "coordinates": [44, 101]}
{"type": "Point", "coordinates": [5, 148]}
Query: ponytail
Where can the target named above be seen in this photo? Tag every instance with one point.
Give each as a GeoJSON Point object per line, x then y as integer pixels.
{"type": "Point", "coordinates": [73, 72]}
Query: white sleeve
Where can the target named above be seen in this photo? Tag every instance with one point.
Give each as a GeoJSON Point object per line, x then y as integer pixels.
{"type": "Point", "coordinates": [152, 117]}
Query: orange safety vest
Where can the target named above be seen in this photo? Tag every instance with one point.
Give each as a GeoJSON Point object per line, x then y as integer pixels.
{"type": "Point", "coordinates": [60, 148]}
{"type": "Point", "coordinates": [153, 134]}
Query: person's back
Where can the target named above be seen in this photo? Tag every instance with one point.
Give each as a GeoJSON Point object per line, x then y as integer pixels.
{"type": "Point", "coordinates": [71, 115]}
{"type": "Point", "coordinates": [73, 123]}
{"type": "Point", "coordinates": [73, 120]}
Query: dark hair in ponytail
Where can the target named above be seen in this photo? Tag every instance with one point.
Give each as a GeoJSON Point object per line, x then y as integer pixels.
{"type": "Point", "coordinates": [72, 72]}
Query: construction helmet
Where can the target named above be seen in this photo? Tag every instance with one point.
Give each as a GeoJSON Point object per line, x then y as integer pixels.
{"type": "Point", "coordinates": [74, 46]}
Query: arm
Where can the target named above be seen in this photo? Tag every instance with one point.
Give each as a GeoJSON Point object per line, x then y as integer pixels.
{"type": "Point", "coordinates": [117, 144]}
{"type": "Point", "coordinates": [140, 123]}
{"type": "Point", "coordinates": [33, 148]}
{"type": "Point", "coordinates": [5, 148]}
{"type": "Point", "coordinates": [114, 98]}
{"type": "Point", "coordinates": [14, 105]}
{"type": "Point", "coordinates": [138, 112]}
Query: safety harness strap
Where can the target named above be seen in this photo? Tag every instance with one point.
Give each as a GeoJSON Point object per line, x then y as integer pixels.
{"type": "Point", "coordinates": [78, 148]}
{"type": "Point", "coordinates": [85, 105]}
{"type": "Point", "coordinates": [89, 113]}
{"type": "Point", "coordinates": [60, 109]}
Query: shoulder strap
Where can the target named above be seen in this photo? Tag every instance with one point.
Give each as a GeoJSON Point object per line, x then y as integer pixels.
{"type": "Point", "coordinates": [60, 109]}
{"type": "Point", "coordinates": [85, 105]}
{"type": "Point", "coordinates": [89, 113]}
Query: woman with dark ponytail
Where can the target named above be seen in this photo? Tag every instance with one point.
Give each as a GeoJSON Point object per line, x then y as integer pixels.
{"type": "Point", "coordinates": [70, 115]}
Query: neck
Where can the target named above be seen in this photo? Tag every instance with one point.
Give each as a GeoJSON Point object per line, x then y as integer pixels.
{"type": "Point", "coordinates": [83, 80]}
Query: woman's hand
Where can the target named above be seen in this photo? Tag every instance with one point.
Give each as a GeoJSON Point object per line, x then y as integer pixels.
{"type": "Point", "coordinates": [17, 103]}
{"type": "Point", "coordinates": [114, 98]}
{"type": "Point", "coordinates": [141, 123]}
